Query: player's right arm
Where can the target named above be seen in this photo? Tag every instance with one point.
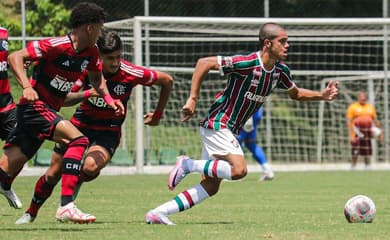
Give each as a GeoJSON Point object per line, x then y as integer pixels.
{"type": "Point", "coordinates": [202, 68]}
{"type": "Point", "coordinates": [16, 61]}
{"type": "Point", "coordinates": [349, 116]}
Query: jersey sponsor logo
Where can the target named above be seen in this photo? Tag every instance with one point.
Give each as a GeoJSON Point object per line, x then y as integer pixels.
{"type": "Point", "coordinates": [253, 97]}
{"type": "Point", "coordinates": [72, 166]}
{"type": "Point", "coordinates": [120, 89]}
{"type": "Point", "coordinates": [256, 76]}
{"type": "Point", "coordinates": [3, 66]}
{"type": "Point", "coordinates": [61, 84]}
{"type": "Point", "coordinates": [97, 102]}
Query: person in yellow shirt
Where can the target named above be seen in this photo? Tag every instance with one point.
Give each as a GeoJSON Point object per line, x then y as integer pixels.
{"type": "Point", "coordinates": [361, 120]}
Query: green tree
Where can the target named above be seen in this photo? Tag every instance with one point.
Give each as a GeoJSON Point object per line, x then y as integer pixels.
{"type": "Point", "coordinates": [44, 18]}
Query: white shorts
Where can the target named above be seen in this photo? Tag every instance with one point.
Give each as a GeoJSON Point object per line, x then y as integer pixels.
{"type": "Point", "coordinates": [220, 142]}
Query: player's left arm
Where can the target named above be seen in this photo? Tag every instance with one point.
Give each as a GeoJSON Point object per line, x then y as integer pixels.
{"type": "Point", "coordinates": [74, 98]}
{"type": "Point", "coordinates": [165, 81]}
{"type": "Point", "coordinates": [302, 94]}
{"type": "Point", "coordinates": [97, 82]}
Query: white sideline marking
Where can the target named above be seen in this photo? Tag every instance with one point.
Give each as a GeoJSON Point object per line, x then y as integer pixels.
{"type": "Point", "coordinates": [164, 169]}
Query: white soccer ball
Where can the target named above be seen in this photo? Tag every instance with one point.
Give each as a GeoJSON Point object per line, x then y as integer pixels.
{"type": "Point", "coordinates": [376, 132]}
{"type": "Point", "coordinates": [360, 209]}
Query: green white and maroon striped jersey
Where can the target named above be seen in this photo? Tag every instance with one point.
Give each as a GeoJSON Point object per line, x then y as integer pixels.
{"type": "Point", "coordinates": [247, 88]}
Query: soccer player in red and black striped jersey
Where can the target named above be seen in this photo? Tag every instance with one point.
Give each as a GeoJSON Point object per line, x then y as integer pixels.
{"type": "Point", "coordinates": [96, 121]}
{"type": "Point", "coordinates": [7, 104]}
{"type": "Point", "coordinates": [60, 62]}
{"type": "Point", "coordinates": [251, 79]}
{"type": "Point", "coordinates": [7, 111]}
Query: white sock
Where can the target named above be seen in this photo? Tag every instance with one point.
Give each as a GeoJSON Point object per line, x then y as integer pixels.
{"type": "Point", "coordinates": [183, 200]}
{"type": "Point", "coordinates": [266, 168]}
{"type": "Point", "coordinates": [211, 168]}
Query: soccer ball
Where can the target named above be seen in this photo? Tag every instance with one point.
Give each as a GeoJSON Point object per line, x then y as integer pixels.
{"type": "Point", "coordinates": [360, 209]}
{"type": "Point", "coordinates": [375, 132]}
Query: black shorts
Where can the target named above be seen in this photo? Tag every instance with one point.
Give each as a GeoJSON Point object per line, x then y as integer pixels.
{"type": "Point", "coordinates": [8, 122]}
{"type": "Point", "coordinates": [107, 139]}
{"type": "Point", "coordinates": [35, 123]}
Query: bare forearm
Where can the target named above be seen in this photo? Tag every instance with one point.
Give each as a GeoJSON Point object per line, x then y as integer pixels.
{"type": "Point", "coordinates": [164, 96]}
{"type": "Point", "coordinates": [73, 98]}
{"type": "Point", "coordinates": [202, 68]}
{"type": "Point", "coordinates": [16, 62]}
{"type": "Point", "coordinates": [308, 95]}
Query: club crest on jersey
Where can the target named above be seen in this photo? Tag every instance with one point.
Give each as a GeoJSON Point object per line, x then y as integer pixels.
{"type": "Point", "coordinates": [4, 45]}
{"type": "Point", "coordinates": [235, 143]}
{"type": "Point", "coordinates": [228, 62]}
{"type": "Point", "coordinates": [3, 66]}
{"type": "Point", "coordinates": [61, 84]}
{"type": "Point", "coordinates": [84, 65]}
{"type": "Point", "coordinates": [120, 89]}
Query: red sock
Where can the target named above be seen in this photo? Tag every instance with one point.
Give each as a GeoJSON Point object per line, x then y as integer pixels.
{"type": "Point", "coordinates": [42, 192]}
{"type": "Point", "coordinates": [71, 168]}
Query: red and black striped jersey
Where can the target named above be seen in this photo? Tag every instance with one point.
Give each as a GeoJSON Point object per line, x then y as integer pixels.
{"type": "Point", "coordinates": [93, 113]}
{"type": "Point", "coordinates": [6, 100]}
{"type": "Point", "coordinates": [59, 67]}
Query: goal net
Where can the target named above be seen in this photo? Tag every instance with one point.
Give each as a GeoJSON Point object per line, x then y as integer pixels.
{"type": "Point", "coordinates": [353, 51]}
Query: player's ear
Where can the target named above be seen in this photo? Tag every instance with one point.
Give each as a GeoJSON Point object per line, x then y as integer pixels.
{"type": "Point", "coordinates": [267, 43]}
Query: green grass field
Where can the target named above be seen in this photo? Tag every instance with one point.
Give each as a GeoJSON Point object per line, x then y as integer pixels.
{"type": "Point", "coordinates": [296, 205]}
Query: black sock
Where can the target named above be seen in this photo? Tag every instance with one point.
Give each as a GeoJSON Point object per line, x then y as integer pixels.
{"type": "Point", "coordinates": [5, 180]}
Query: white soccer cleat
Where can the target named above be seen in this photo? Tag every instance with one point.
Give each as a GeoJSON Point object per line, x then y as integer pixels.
{"type": "Point", "coordinates": [178, 173]}
{"type": "Point", "coordinates": [25, 219]}
{"type": "Point", "coordinates": [267, 177]}
{"type": "Point", "coordinates": [157, 218]}
{"type": "Point", "coordinates": [71, 213]}
{"type": "Point", "coordinates": [12, 198]}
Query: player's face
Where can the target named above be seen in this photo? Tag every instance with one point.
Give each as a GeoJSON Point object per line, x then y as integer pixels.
{"type": "Point", "coordinates": [279, 46]}
{"type": "Point", "coordinates": [93, 31]}
{"type": "Point", "coordinates": [362, 98]}
{"type": "Point", "coordinates": [111, 61]}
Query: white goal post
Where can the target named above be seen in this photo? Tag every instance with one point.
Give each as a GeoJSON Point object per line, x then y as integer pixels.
{"type": "Point", "coordinates": [354, 51]}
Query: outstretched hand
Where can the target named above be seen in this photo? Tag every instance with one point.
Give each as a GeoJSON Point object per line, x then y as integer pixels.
{"type": "Point", "coordinates": [331, 91]}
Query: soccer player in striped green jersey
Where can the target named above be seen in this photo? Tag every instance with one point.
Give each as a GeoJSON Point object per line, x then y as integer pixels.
{"type": "Point", "coordinates": [250, 80]}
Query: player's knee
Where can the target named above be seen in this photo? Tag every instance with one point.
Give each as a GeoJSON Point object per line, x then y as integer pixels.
{"type": "Point", "coordinates": [87, 177]}
{"type": "Point", "coordinates": [90, 168]}
{"type": "Point", "coordinates": [239, 172]}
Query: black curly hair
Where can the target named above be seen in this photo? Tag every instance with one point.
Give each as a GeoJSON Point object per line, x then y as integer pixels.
{"type": "Point", "coordinates": [86, 12]}
{"type": "Point", "coordinates": [109, 42]}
